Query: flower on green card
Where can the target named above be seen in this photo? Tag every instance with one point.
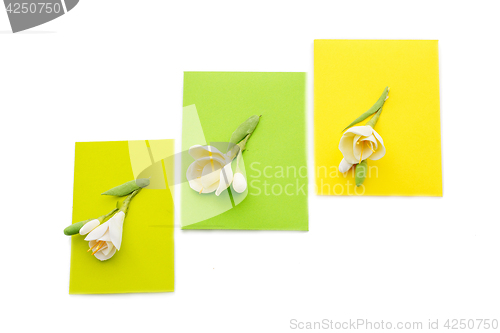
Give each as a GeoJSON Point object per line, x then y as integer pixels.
{"type": "Point", "coordinates": [105, 239]}
{"type": "Point", "coordinates": [211, 171]}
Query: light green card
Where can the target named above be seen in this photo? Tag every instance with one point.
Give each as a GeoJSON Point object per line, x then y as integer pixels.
{"type": "Point", "coordinates": [145, 261]}
{"type": "Point", "coordinates": [274, 164]}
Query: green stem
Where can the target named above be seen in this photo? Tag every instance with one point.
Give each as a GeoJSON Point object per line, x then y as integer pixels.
{"type": "Point", "coordinates": [243, 143]}
{"type": "Point", "coordinates": [127, 201]}
{"type": "Point", "coordinates": [372, 122]}
{"type": "Point", "coordinates": [375, 107]}
{"type": "Point", "coordinates": [104, 217]}
{"type": "Point", "coordinates": [239, 147]}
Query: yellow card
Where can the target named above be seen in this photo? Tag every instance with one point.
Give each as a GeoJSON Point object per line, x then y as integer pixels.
{"type": "Point", "coordinates": [349, 77]}
{"type": "Point", "coordinates": [145, 262]}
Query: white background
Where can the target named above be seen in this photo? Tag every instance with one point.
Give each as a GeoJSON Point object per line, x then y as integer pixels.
{"type": "Point", "coordinates": [113, 70]}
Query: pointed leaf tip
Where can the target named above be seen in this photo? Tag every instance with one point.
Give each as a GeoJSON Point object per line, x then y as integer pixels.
{"type": "Point", "coordinates": [375, 107]}
{"type": "Point", "coordinates": [128, 187]}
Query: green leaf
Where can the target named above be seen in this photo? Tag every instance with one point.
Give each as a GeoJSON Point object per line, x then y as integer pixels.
{"type": "Point", "coordinates": [244, 129]}
{"type": "Point", "coordinates": [377, 106]}
{"type": "Point", "coordinates": [128, 187]}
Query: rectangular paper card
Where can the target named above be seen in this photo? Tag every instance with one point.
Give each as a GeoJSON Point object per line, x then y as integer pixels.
{"type": "Point", "coordinates": [349, 77]}
{"type": "Point", "coordinates": [274, 164]}
{"type": "Point", "coordinates": [145, 261]}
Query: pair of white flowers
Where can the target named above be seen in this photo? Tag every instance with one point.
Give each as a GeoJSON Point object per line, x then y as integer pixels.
{"type": "Point", "coordinates": [211, 171]}
{"type": "Point", "coordinates": [104, 239]}
{"type": "Point", "coordinates": [360, 143]}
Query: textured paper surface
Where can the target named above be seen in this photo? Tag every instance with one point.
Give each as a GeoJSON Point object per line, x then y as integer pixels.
{"type": "Point", "coordinates": [222, 101]}
{"type": "Point", "coordinates": [145, 262]}
{"type": "Point", "coordinates": [349, 76]}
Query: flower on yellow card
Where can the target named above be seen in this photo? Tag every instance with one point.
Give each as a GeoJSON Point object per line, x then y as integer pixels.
{"type": "Point", "coordinates": [360, 143]}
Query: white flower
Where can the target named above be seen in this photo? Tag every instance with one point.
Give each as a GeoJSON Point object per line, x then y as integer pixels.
{"type": "Point", "coordinates": [211, 171]}
{"type": "Point", "coordinates": [106, 238]}
{"type": "Point", "coordinates": [360, 143]}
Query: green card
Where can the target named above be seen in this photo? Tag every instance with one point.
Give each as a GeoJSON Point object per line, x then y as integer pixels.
{"type": "Point", "coordinates": [145, 261]}
{"type": "Point", "coordinates": [274, 162]}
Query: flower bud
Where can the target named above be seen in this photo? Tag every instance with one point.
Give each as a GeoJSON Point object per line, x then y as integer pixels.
{"type": "Point", "coordinates": [239, 182]}
{"type": "Point", "coordinates": [361, 170]}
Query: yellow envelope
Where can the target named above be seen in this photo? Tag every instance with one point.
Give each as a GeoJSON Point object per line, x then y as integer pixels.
{"type": "Point", "coordinates": [145, 262]}
{"type": "Point", "coordinates": [349, 77]}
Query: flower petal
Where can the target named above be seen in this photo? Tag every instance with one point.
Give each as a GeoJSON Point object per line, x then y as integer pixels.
{"type": "Point", "coordinates": [101, 256]}
{"type": "Point", "coordinates": [89, 226]}
{"type": "Point", "coordinates": [360, 130]}
{"type": "Point", "coordinates": [239, 182]}
{"type": "Point", "coordinates": [198, 152]}
{"type": "Point", "coordinates": [106, 237]}
{"type": "Point", "coordinates": [116, 229]}
{"type": "Point", "coordinates": [371, 139]}
{"type": "Point", "coordinates": [226, 177]}
{"type": "Point", "coordinates": [211, 188]}
{"type": "Point", "coordinates": [92, 243]}
{"type": "Point", "coordinates": [345, 147]}
{"type": "Point", "coordinates": [196, 168]}
{"type": "Point", "coordinates": [380, 151]}
{"type": "Point", "coordinates": [216, 153]}
{"type": "Point", "coordinates": [195, 184]}
{"type": "Point", "coordinates": [361, 150]}
{"type": "Point", "coordinates": [344, 165]}
{"type": "Point", "coordinates": [210, 174]}
{"type": "Point", "coordinates": [379, 138]}
{"type": "Point", "coordinates": [107, 248]}
{"type": "Point", "coordinates": [98, 232]}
